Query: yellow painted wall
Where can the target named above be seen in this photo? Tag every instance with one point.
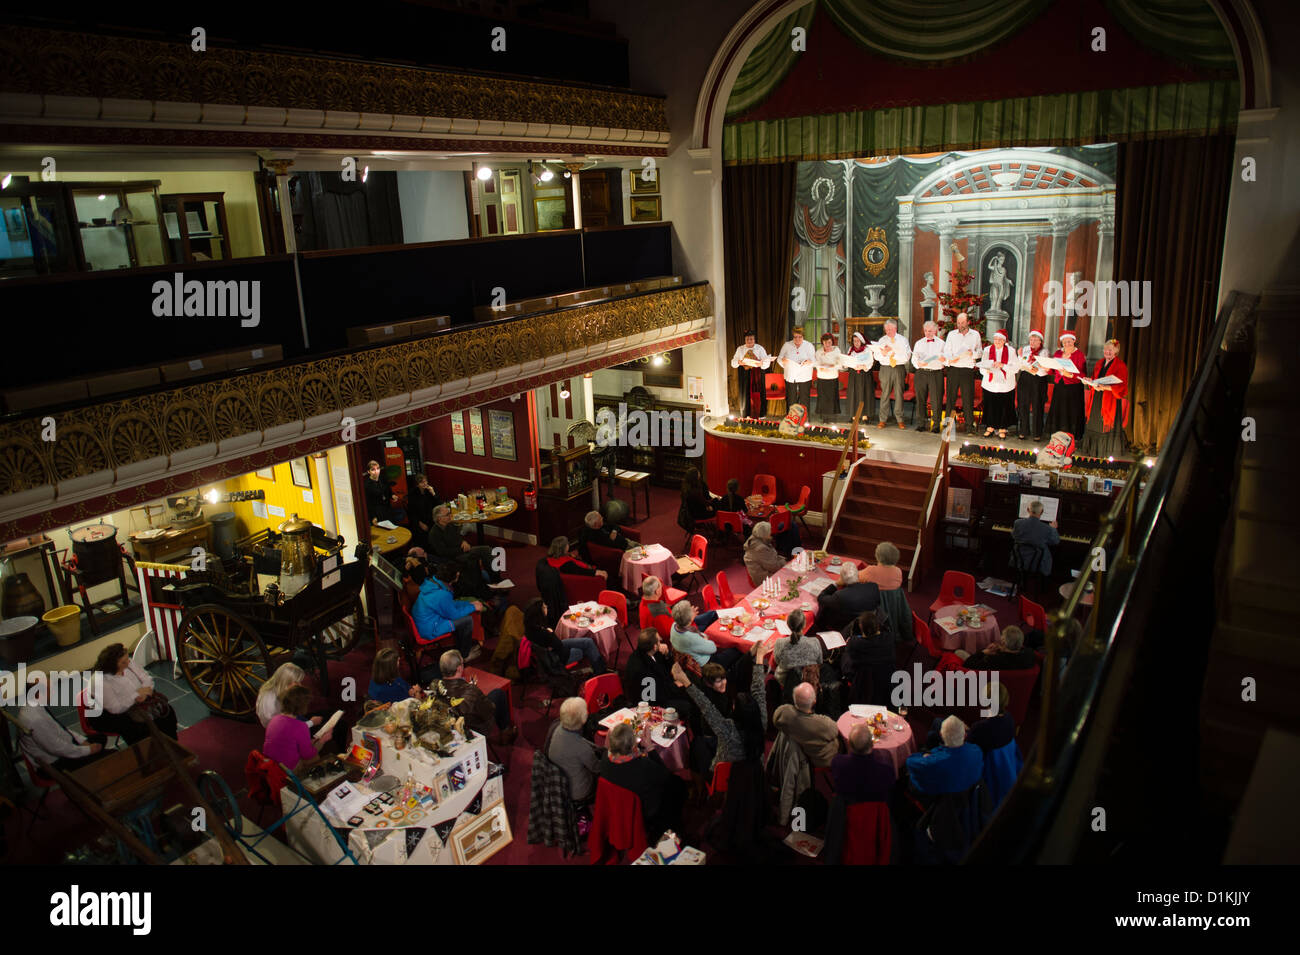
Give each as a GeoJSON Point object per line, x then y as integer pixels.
{"type": "Point", "coordinates": [280, 493]}
{"type": "Point", "coordinates": [239, 188]}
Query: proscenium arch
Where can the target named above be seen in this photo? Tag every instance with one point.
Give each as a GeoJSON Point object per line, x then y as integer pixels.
{"type": "Point", "coordinates": [970, 159]}
{"type": "Point", "coordinates": [1238, 18]}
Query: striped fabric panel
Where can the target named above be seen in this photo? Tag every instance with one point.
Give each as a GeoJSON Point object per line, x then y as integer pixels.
{"type": "Point", "coordinates": [163, 619]}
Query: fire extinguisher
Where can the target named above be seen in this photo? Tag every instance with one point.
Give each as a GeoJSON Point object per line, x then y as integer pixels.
{"type": "Point", "coordinates": [530, 497]}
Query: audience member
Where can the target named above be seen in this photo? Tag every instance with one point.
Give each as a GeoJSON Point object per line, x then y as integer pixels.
{"type": "Point", "coordinates": [652, 594]}
{"type": "Point", "coordinates": [885, 572]}
{"type": "Point", "coordinates": [859, 776]}
{"type": "Point", "coordinates": [795, 651]}
{"type": "Point", "coordinates": [1009, 653]}
{"type": "Point", "coordinates": [868, 660]}
{"type": "Point", "coordinates": [448, 544]}
{"type": "Point", "coordinates": [562, 652]}
{"type": "Point", "coordinates": [732, 500]}
{"type": "Point", "coordinates": [43, 740]}
{"type": "Point", "coordinates": [648, 677]}
{"type": "Point", "coordinates": [686, 638]}
{"type": "Point", "coordinates": [735, 737]}
{"type": "Point", "coordinates": [816, 735]}
{"type": "Point", "coordinates": [268, 696]}
{"type": "Point", "coordinates": [129, 696]}
{"type": "Point", "coordinates": [437, 612]}
{"type": "Point", "coordinates": [838, 606]}
{"type": "Point", "coordinates": [386, 683]}
{"type": "Point", "coordinates": [696, 499]}
{"type": "Point", "coordinates": [596, 531]}
{"type": "Point", "coordinates": [560, 556]}
{"type": "Point", "coordinates": [481, 711]}
{"type": "Point", "coordinates": [573, 752]}
{"type": "Point", "coordinates": [421, 505]}
{"type": "Point", "coordinates": [381, 501]}
{"type": "Point", "coordinates": [953, 767]}
{"type": "Point", "coordinates": [994, 732]}
{"type": "Point", "coordinates": [662, 794]}
{"type": "Point", "coordinates": [288, 737]}
{"type": "Point", "coordinates": [761, 558]}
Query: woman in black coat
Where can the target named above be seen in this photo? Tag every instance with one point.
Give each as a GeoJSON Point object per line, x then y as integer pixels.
{"type": "Point", "coordinates": [868, 661]}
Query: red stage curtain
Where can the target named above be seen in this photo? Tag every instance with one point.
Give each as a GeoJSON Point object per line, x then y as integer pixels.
{"type": "Point", "coordinates": [1172, 202]}
{"type": "Point", "coordinates": [1042, 273]}
{"type": "Point", "coordinates": [758, 251]}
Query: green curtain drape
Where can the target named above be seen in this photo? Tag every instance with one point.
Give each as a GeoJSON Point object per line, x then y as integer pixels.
{"type": "Point", "coordinates": [768, 63]}
{"type": "Point", "coordinates": [1185, 30]}
{"type": "Point", "coordinates": [758, 250]}
{"type": "Point", "coordinates": [1172, 202]}
{"type": "Point", "coordinates": [931, 29]}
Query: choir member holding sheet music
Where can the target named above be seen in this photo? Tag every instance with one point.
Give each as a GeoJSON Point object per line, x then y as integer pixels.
{"type": "Point", "coordinates": [1031, 389]}
{"type": "Point", "coordinates": [960, 350]}
{"type": "Point", "coordinates": [828, 361]}
{"type": "Point", "coordinates": [796, 359]}
{"type": "Point", "coordinates": [892, 352]}
{"type": "Point", "coordinates": [1066, 412]}
{"type": "Point", "coordinates": [1107, 409]}
{"type": "Point", "coordinates": [998, 383]}
{"type": "Point", "coordinates": [750, 362]}
{"type": "Point", "coordinates": [862, 386]}
{"type": "Point", "coordinates": [927, 359]}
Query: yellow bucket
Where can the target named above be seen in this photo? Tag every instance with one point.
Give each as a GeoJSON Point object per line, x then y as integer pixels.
{"type": "Point", "coordinates": [65, 623]}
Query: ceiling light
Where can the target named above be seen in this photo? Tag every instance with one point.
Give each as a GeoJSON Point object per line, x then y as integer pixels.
{"type": "Point", "coordinates": [564, 393]}
{"type": "Point", "coordinates": [8, 178]}
{"type": "Point", "coordinates": [484, 173]}
{"type": "Point", "coordinates": [567, 174]}
{"type": "Point", "coordinates": [102, 198]}
{"type": "Point", "coordinates": [1150, 462]}
{"type": "Point", "coordinates": [546, 175]}
{"type": "Point", "coordinates": [212, 496]}
{"type": "Point", "coordinates": [365, 172]}
{"type": "Point", "coordinates": [660, 360]}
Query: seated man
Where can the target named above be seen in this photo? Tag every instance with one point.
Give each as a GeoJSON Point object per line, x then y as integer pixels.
{"type": "Point", "coordinates": [1035, 538]}
{"type": "Point", "coordinates": [447, 544]}
{"type": "Point", "coordinates": [953, 767]}
{"type": "Point", "coordinates": [859, 776]}
{"type": "Point", "coordinates": [573, 752]}
{"type": "Point", "coordinates": [662, 794]}
{"type": "Point", "coordinates": [648, 677]}
{"type": "Point", "coordinates": [838, 606]}
{"type": "Point", "coordinates": [994, 732]}
{"type": "Point", "coordinates": [1010, 653]}
{"type": "Point", "coordinates": [652, 594]}
{"type": "Point", "coordinates": [596, 531]}
{"type": "Point", "coordinates": [481, 711]}
{"type": "Point", "coordinates": [43, 740]}
{"type": "Point", "coordinates": [686, 637]}
{"type": "Point", "coordinates": [437, 613]}
{"type": "Point", "coordinates": [816, 735]}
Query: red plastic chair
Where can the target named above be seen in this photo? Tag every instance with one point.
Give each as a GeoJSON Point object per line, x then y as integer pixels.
{"type": "Point", "coordinates": [86, 728]}
{"type": "Point", "coordinates": [957, 587]}
{"type": "Point", "coordinates": [721, 776]}
{"type": "Point", "coordinates": [780, 521]}
{"type": "Point", "coordinates": [579, 589]}
{"type": "Point", "coordinates": [1033, 615]}
{"type": "Point", "coordinates": [844, 387]}
{"type": "Point", "coordinates": [419, 646]}
{"type": "Point", "coordinates": [867, 838]}
{"type": "Point", "coordinates": [710, 598]}
{"type": "Point", "coordinates": [765, 485]}
{"type": "Point", "coordinates": [617, 823]}
{"type": "Point", "coordinates": [925, 637]}
{"type": "Point", "coordinates": [524, 661]}
{"type": "Point", "coordinates": [774, 381]}
{"type": "Point", "coordinates": [600, 691]}
{"type": "Point", "coordinates": [725, 597]}
{"type": "Point", "coordinates": [698, 555]}
{"type": "Point", "coordinates": [728, 522]}
{"type": "Point", "coordinates": [800, 507]}
{"type": "Point", "coordinates": [618, 600]}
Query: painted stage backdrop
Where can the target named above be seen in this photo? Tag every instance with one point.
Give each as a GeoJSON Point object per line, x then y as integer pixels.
{"type": "Point", "coordinates": [1035, 227]}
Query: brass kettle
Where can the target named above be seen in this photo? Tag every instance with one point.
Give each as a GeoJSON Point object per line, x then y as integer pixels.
{"type": "Point", "coordinates": [298, 556]}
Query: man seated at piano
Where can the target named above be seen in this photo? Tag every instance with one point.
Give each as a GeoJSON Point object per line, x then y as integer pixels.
{"type": "Point", "coordinates": [1035, 538]}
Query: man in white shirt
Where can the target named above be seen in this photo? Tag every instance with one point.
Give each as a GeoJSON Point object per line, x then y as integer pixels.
{"type": "Point", "coordinates": [928, 382]}
{"type": "Point", "coordinates": [892, 351]}
{"type": "Point", "coordinates": [750, 361]}
{"type": "Point", "coordinates": [43, 740]}
{"type": "Point", "coordinates": [796, 359]}
{"type": "Point", "coordinates": [961, 351]}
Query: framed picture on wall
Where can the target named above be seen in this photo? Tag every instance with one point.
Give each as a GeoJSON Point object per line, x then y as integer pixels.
{"type": "Point", "coordinates": [644, 181]}
{"type": "Point", "coordinates": [550, 213]}
{"type": "Point", "coordinates": [646, 209]}
{"type": "Point", "coordinates": [300, 471]}
{"type": "Point", "coordinates": [457, 432]}
{"type": "Point", "coordinates": [476, 432]}
{"type": "Point", "coordinates": [501, 432]}
{"type": "Point", "coordinates": [266, 474]}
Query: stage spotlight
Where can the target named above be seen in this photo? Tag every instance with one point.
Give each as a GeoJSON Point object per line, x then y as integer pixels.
{"type": "Point", "coordinates": [484, 173]}
{"type": "Point", "coordinates": [1150, 462]}
{"type": "Point", "coordinates": [567, 174]}
{"type": "Point", "coordinates": [1110, 460]}
{"type": "Point", "coordinates": [1035, 450]}
{"type": "Point", "coordinates": [546, 174]}
{"type": "Point", "coordinates": [102, 198]}
{"type": "Point", "coordinates": [8, 178]}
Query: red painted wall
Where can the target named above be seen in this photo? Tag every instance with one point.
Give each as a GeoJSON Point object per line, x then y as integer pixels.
{"type": "Point", "coordinates": [727, 457]}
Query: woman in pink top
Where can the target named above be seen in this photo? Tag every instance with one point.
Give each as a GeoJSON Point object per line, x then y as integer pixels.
{"type": "Point", "coordinates": [288, 738]}
{"type": "Point", "coordinates": [885, 573]}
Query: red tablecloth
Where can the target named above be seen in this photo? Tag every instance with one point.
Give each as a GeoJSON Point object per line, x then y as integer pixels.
{"type": "Point", "coordinates": [892, 748]}
{"type": "Point", "coordinates": [970, 639]}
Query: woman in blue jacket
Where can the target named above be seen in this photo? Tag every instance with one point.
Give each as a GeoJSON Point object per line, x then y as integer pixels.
{"type": "Point", "coordinates": [437, 612]}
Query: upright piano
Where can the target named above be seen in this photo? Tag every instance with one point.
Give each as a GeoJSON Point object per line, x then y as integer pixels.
{"type": "Point", "coordinates": [1079, 515]}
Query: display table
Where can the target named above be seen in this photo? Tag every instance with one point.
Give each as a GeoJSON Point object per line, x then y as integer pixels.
{"type": "Point", "coordinates": [971, 639]}
{"type": "Point", "coordinates": [893, 747]}
{"type": "Point", "coordinates": [599, 626]}
{"type": "Point", "coordinates": [658, 562]}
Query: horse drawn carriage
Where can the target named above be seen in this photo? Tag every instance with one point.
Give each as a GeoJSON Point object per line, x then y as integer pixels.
{"type": "Point", "coordinates": [297, 598]}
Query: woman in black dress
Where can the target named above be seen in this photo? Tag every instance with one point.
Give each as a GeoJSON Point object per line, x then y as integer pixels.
{"type": "Point", "coordinates": [1066, 411]}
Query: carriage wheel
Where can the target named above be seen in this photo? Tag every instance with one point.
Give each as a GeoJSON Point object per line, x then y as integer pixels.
{"type": "Point", "coordinates": [340, 637]}
{"type": "Point", "coordinates": [223, 658]}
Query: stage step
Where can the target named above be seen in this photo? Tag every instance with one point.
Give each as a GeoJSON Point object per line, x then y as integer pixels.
{"type": "Point", "coordinates": [869, 525]}
{"type": "Point", "coordinates": [882, 491]}
{"type": "Point", "coordinates": [904, 474]}
{"type": "Point", "coordinates": [892, 511]}
{"type": "Point", "coordinates": [863, 547]}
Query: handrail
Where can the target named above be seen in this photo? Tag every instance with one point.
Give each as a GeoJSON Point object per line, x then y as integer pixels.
{"type": "Point", "coordinates": [923, 519]}
{"type": "Point", "coordinates": [1021, 826]}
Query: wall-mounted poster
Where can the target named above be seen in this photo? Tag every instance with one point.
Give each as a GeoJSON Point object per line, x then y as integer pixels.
{"type": "Point", "coordinates": [457, 432]}
{"type": "Point", "coordinates": [266, 474]}
{"type": "Point", "coordinates": [476, 431]}
{"type": "Point", "coordinates": [300, 471]}
{"type": "Point", "coordinates": [501, 431]}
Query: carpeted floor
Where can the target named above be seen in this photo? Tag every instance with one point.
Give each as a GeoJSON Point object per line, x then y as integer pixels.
{"type": "Point", "coordinates": [222, 745]}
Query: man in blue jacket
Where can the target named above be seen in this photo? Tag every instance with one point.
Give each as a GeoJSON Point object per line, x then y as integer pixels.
{"type": "Point", "coordinates": [953, 767]}
{"type": "Point", "coordinates": [437, 612]}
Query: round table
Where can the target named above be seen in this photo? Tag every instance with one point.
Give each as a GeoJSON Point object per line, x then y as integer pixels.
{"type": "Point", "coordinates": [479, 518]}
{"type": "Point", "coordinates": [892, 748]}
{"type": "Point", "coordinates": [1066, 590]}
{"type": "Point", "coordinates": [603, 628]}
{"type": "Point", "coordinates": [386, 541]}
{"type": "Point", "coordinates": [658, 562]}
{"type": "Point", "coordinates": [674, 754]}
{"type": "Point", "coordinates": [970, 639]}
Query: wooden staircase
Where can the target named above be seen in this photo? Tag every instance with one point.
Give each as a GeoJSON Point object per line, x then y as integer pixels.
{"type": "Point", "coordinates": [883, 502]}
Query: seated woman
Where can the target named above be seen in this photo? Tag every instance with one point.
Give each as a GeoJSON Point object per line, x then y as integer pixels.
{"type": "Point", "coordinates": [732, 501]}
{"type": "Point", "coordinates": [795, 651]}
{"type": "Point", "coordinates": [129, 691]}
{"type": "Point", "coordinates": [696, 499]}
{"type": "Point", "coordinates": [648, 678]}
{"type": "Point", "coordinates": [268, 697]}
{"type": "Point", "coordinates": [437, 612]}
{"type": "Point", "coordinates": [761, 558]}
{"type": "Point", "coordinates": [288, 738]}
{"type": "Point", "coordinates": [662, 794]}
{"type": "Point", "coordinates": [562, 652]}
{"type": "Point", "coordinates": [560, 557]}
{"type": "Point", "coordinates": [727, 724]}
{"type": "Point", "coordinates": [885, 572]}
{"type": "Point", "coordinates": [386, 684]}
{"type": "Point", "coordinates": [686, 638]}
{"type": "Point", "coordinates": [652, 594]}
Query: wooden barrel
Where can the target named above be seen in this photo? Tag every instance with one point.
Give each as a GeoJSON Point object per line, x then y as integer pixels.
{"type": "Point", "coordinates": [97, 552]}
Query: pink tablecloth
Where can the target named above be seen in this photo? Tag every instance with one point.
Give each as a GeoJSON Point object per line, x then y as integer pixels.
{"type": "Point", "coordinates": [603, 628]}
{"type": "Point", "coordinates": [892, 748]}
{"type": "Point", "coordinates": [674, 755]}
{"type": "Point", "coordinates": [658, 562]}
{"type": "Point", "coordinates": [970, 639]}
